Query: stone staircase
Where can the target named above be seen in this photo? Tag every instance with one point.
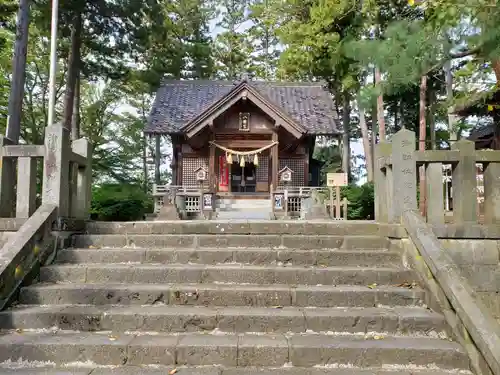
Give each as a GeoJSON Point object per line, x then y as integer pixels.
{"type": "Point", "coordinates": [154, 298]}
{"type": "Point", "coordinates": [243, 209]}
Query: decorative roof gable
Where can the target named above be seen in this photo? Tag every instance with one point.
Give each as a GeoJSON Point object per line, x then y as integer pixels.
{"type": "Point", "coordinates": [178, 103]}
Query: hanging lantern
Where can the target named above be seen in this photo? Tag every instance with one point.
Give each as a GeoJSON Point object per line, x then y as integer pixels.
{"type": "Point", "coordinates": [229, 158]}
{"type": "Point", "coordinates": [242, 161]}
{"type": "Point", "coordinates": [256, 160]}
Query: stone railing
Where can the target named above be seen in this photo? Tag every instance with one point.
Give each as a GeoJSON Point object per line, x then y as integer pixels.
{"type": "Point", "coordinates": [303, 202]}
{"type": "Point", "coordinates": [66, 176]}
{"type": "Point", "coordinates": [446, 274]}
{"type": "Point", "coordinates": [173, 202]}
{"type": "Point", "coordinates": [396, 181]}
{"type": "Point", "coordinates": [24, 253]}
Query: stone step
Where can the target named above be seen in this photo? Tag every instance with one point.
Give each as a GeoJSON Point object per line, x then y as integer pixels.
{"type": "Point", "coordinates": [308, 350]}
{"type": "Point", "coordinates": [268, 241]}
{"type": "Point", "coordinates": [361, 258]}
{"type": "Point", "coordinates": [400, 320]}
{"type": "Point", "coordinates": [220, 295]}
{"type": "Point", "coordinates": [217, 370]}
{"type": "Point", "coordinates": [224, 273]}
{"type": "Point", "coordinates": [326, 227]}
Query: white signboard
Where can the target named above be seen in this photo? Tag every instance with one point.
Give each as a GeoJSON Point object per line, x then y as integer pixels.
{"type": "Point", "coordinates": [336, 179]}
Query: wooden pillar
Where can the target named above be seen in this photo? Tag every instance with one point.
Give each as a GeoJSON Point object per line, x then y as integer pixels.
{"type": "Point", "coordinates": [274, 160]}
{"type": "Point", "coordinates": [306, 166]}
{"type": "Point", "coordinates": [157, 159]}
{"type": "Point", "coordinates": [212, 173]}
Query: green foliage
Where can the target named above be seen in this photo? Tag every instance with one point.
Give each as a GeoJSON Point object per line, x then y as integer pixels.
{"type": "Point", "coordinates": [119, 202]}
{"type": "Point", "coordinates": [361, 201]}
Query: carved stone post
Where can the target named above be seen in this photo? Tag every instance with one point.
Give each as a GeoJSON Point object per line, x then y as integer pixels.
{"type": "Point", "coordinates": [464, 183]}
{"type": "Point", "coordinates": [56, 169]}
{"type": "Point", "coordinates": [83, 188]}
{"type": "Point", "coordinates": [491, 193]}
{"type": "Point", "coordinates": [404, 172]}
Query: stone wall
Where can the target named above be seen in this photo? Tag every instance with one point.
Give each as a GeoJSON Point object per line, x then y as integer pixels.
{"type": "Point", "coordinates": [479, 262]}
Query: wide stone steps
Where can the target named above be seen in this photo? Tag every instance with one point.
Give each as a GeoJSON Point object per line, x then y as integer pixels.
{"type": "Point", "coordinates": [219, 370]}
{"type": "Point", "coordinates": [227, 273]}
{"type": "Point", "coordinates": [228, 298]}
{"type": "Point", "coordinates": [402, 320]}
{"type": "Point", "coordinates": [221, 295]}
{"type": "Point", "coordinates": [222, 240]}
{"type": "Point", "coordinates": [273, 350]}
{"type": "Point", "coordinates": [359, 258]}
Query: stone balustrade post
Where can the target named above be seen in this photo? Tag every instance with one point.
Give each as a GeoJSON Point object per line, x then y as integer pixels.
{"type": "Point", "coordinates": [83, 190]}
{"type": "Point", "coordinates": [435, 196]}
{"type": "Point", "coordinates": [491, 179]}
{"type": "Point", "coordinates": [381, 182]}
{"type": "Point", "coordinates": [404, 174]}
{"type": "Point", "coordinates": [7, 186]}
{"type": "Point", "coordinates": [464, 183]}
{"type": "Point", "coordinates": [26, 187]}
{"type": "Point", "coordinates": [56, 169]}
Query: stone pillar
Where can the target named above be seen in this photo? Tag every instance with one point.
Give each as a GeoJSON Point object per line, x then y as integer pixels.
{"type": "Point", "coordinates": [381, 182]}
{"type": "Point", "coordinates": [26, 187]}
{"type": "Point", "coordinates": [404, 171]}
{"type": "Point", "coordinates": [56, 169]}
{"type": "Point", "coordinates": [7, 186]}
{"type": "Point", "coordinates": [435, 194]}
{"type": "Point", "coordinates": [491, 181]}
{"type": "Point", "coordinates": [83, 190]}
{"type": "Point", "coordinates": [464, 183]}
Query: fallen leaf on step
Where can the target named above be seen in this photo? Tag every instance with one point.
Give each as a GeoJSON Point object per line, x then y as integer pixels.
{"type": "Point", "coordinates": [112, 338]}
{"type": "Point", "coordinates": [19, 330]}
{"type": "Point", "coordinates": [93, 247]}
{"type": "Point", "coordinates": [277, 307]}
{"type": "Point", "coordinates": [372, 286]}
{"type": "Point", "coordinates": [407, 285]}
{"type": "Point", "coordinates": [377, 337]}
{"type": "Point", "coordinates": [172, 372]}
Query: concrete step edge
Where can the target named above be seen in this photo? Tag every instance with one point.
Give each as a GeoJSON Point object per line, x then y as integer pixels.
{"type": "Point", "coordinates": [35, 369]}
{"type": "Point", "coordinates": [230, 350]}
{"type": "Point", "coordinates": [404, 321]}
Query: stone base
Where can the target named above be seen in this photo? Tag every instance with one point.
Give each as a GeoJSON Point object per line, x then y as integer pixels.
{"type": "Point", "coordinates": [168, 213]}
{"type": "Point", "coordinates": [316, 212]}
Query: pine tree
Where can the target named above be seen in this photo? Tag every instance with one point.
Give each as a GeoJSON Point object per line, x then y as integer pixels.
{"type": "Point", "coordinates": [231, 49]}
{"type": "Point", "coordinates": [263, 40]}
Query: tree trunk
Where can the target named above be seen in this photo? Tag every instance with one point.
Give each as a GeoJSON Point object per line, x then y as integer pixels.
{"type": "Point", "coordinates": [73, 72]}
{"type": "Point", "coordinates": [366, 143]}
{"type": "Point", "coordinates": [432, 117]}
{"type": "Point", "coordinates": [421, 143]}
{"type": "Point", "coordinates": [145, 162]}
{"type": "Point", "coordinates": [13, 131]}
{"type": "Point", "coordinates": [346, 139]}
{"type": "Point", "coordinates": [452, 118]}
{"type": "Point", "coordinates": [75, 119]}
{"type": "Point", "coordinates": [380, 106]}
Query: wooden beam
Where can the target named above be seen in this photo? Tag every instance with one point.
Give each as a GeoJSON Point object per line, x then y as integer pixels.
{"type": "Point", "coordinates": [241, 143]}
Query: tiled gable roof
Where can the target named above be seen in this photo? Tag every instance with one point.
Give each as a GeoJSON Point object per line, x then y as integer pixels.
{"type": "Point", "coordinates": [179, 102]}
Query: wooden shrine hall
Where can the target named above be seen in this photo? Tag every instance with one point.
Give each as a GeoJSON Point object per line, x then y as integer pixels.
{"type": "Point", "coordinates": [242, 134]}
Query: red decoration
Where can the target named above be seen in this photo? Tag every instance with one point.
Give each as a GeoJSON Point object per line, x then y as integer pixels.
{"type": "Point", "coordinates": [223, 173]}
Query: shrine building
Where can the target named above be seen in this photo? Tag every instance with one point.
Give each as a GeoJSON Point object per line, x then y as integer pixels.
{"type": "Point", "coordinates": [242, 134]}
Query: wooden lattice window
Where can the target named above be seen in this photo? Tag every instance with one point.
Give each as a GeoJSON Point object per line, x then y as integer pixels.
{"type": "Point", "coordinates": [297, 166]}
{"type": "Point", "coordinates": [262, 172]}
{"type": "Point", "coordinates": [189, 167]}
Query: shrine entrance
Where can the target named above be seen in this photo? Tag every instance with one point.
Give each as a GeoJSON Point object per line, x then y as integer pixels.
{"type": "Point", "coordinates": [243, 179]}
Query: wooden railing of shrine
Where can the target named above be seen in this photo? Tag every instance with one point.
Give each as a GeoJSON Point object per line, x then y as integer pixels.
{"type": "Point", "coordinates": [396, 178]}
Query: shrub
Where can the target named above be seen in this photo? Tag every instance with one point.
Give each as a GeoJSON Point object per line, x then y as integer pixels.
{"type": "Point", "coordinates": [119, 202]}
{"type": "Point", "coordinates": [361, 201]}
